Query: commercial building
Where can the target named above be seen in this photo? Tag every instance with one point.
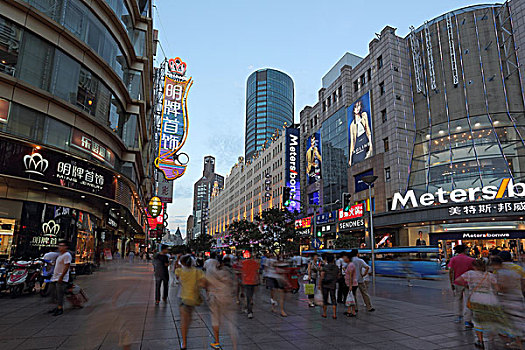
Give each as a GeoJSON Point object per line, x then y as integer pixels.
{"type": "Point", "coordinates": [269, 106]}
{"type": "Point", "coordinates": [252, 187]}
{"type": "Point", "coordinates": [189, 226]}
{"type": "Point", "coordinates": [202, 191]}
{"type": "Point", "coordinates": [75, 125]}
{"type": "Point", "coordinates": [438, 117]}
{"type": "Point", "coordinates": [363, 117]}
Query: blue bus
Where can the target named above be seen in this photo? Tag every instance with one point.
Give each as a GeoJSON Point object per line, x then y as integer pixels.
{"type": "Point", "coordinates": [416, 262]}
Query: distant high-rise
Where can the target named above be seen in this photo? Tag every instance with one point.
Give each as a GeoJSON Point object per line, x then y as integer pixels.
{"type": "Point", "coordinates": [269, 104]}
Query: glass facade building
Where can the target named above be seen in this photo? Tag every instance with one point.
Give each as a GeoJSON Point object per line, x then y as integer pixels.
{"type": "Point", "coordinates": [334, 141]}
{"type": "Point", "coordinates": [468, 106]}
{"type": "Point", "coordinates": [269, 104]}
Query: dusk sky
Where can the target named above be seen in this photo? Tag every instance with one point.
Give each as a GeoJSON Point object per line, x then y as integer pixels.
{"type": "Point", "coordinates": [222, 42]}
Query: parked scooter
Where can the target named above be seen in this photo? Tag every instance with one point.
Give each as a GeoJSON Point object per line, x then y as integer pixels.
{"type": "Point", "coordinates": [23, 277]}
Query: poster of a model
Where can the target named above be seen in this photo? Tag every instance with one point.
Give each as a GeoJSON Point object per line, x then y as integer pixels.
{"type": "Point", "coordinates": [359, 130]}
{"type": "Point", "coordinates": [313, 158]}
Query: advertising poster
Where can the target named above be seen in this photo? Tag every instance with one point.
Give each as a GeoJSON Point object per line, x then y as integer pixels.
{"type": "Point", "coordinates": [313, 158]}
{"type": "Point", "coordinates": [165, 188]}
{"type": "Point", "coordinates": [292, 169]}
{"type": "Point", "coordinates": [359, 130]}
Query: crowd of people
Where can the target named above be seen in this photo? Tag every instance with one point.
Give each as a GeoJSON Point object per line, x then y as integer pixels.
{"type": "Point", "coordinates": [228, 282]}
{"type": "Point", "coordinates": [489, 295]}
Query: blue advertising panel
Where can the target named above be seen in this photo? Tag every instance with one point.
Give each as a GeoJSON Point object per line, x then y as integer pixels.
{"type": "Point", "coordinates": [313, 158]}
{"type": "Point", "coordinates": [360, 185]}
{"type": "Point", "coordinates": [325, 218]}
{"type": "Point", "coordinates": [359, 130]}
{"type": "Point", "coordinates": [292, 169]}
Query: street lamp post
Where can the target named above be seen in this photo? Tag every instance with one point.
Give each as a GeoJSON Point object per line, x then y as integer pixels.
{"type": "Point", "coordinates": [369, 180]}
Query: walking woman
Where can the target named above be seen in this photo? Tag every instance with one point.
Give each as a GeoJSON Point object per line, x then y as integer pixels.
{"type": "Point", "coordinates": [482, 300]}
{"type": "Point", "coordinates": [313, 275]}
{"type": "Point", "coordinates": [191, 281]}
{"type": "Point", "coordinates": [351, 282]}
{"type": "Point", "coordinates": [329, 276]}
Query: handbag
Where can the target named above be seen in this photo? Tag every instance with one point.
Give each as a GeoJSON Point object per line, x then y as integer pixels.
{"type": "Point", "coordinates": [350, 299]}
{"type": "Point", "coordinates": [469, 303]}
{"type": "Point", "coordinates": [309, 288]}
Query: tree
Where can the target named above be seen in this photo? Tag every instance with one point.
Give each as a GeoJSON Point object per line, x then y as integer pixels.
{"type": "Point", "coordinates": [278, 232]}
{"type": "Point", "coordinates": [244, 233]}
{"type": "Point", "coordinates": [347, 242]}
{"type": "Point", "coordinates": [202, 243]}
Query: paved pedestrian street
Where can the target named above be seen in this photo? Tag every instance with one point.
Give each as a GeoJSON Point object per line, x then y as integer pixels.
{"type": "Point", "coordinates": [121, 308]}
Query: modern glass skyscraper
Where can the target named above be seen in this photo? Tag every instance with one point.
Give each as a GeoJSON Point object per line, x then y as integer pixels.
{"type": "Point", "coordinates": [269, 104]}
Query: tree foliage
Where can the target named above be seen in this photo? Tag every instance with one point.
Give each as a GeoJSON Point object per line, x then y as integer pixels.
{"type": "Point", "coordinates": [273, 231]}
{"type": "Point", "coordinates": [202, 243]}
{"type": "Point", "coordinates": [347, 242]}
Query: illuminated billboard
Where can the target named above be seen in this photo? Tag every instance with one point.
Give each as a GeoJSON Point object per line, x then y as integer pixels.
{"type": "Point", "coordinates": [174, 122]}
{"type": "Point", "coordinates": [292, 169]}
{"type": "Point", "coordinates": [313, 158]}
{"type": "Point", "coordinates": [359, 130]}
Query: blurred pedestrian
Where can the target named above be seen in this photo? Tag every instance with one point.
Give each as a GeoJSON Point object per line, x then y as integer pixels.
{"type": "Point", "coordinates": [162, 277]}
{"type": "Point", "coordinates": [131, 256]}
{"type": "Point", "coordinates": [250, 280]}
{"type": "Point", "coordinates": [275, 281]}
{"type": "Point", "coordinates": [362, 270]}
{"type": "Point", "coordinates": [191, 281]}
{"type": "Point", "coordinates": [351, 282]}
{"type": "Point", "coordinates": [313, 274]}
{"type": "Point", "coordinates": [342, 288]}
{"type": "Point", "coordinates": [458, 265]}
{"type": "Point", "coordinates": [211, 264]}
{"type": "Point", "coordinates": [511, 287]}
{"type": "Point", "coordinates": [220, 297]}
{"type": "Point", "coordinates": [328, 280]}
{"type": "Point", "coordinates": [482, 300]}
{"type": "Point", "coordinates": [60, 276]}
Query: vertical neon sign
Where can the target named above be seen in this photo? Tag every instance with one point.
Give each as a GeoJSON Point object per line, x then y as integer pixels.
{"type": "Point", "coordinates": [174, 123]}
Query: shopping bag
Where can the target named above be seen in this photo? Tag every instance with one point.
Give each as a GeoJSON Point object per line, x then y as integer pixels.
{"type": "Point", "coordinates": [309, 288]}
{"type": "Point", "coordinates": [318, 298]}
{"type": "Point", "coordinates": [350, 299]}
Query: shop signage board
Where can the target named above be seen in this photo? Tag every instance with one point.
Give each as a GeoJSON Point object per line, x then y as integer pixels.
{"type": "Point", "coordinates": [325, 217]}
{"type": "Point", "coordinates": [112, 220]}
{"type": "Point", "coordinates": [435, 236]}
{"type": "Point", "coordinates": [327, 228]}
{"type": "Point", "coordinates": [90, 145]}
{"type": "Point", "coordinates": [357, 223]}
{"type": "Point", "coordinates": [291, 161]}
{"type": "Point", "coordinates": [174, 122]}
{"type": "Point", "coordinates": [303, 223]}
{"type": "Point", "coordinates": [507, 188]}
{"type": "Point", "coordinates": [154, 207]}
{"type": "Point", "coordinates": [487, 209]}
{"type": "Point", "coordinates": [4, 110]}
{"type": "Point", "coordinates": [165, 188]}
{"type": "Point", "coordinates": [45, 165]}
{"type": "Point", "coordinates": [355, 211]}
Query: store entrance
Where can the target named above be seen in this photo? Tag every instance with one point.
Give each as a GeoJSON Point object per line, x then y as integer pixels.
{"type": "Point", "coordinates": [7, 229]}
{"type": "Point", "coordinates": [481, 248]}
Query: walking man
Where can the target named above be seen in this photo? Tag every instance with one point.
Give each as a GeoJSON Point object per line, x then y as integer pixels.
{"type": "Point", "coordinates": [250, 280]}
{"type": "Point", "coordinates": [362, 270]}
{"type": "Point", "coordinates": [61, 276]}
{"type": "Point", "coordinates": [458, 265]}
{"type": "Point", "coordinates": [160, 265]}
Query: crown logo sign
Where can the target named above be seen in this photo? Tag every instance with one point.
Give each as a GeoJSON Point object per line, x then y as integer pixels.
{"type": "Point", "coordinates": [50, 228]}
{"type": "Point", "coordinates": [35, 164]}
{"type": "Point", "coordinates": [176, 65]}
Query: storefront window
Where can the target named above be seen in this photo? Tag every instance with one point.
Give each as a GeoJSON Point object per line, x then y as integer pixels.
{"type": "Point", "coordinates": [9, 46]}
{"type": "Point", "coordinates": [85, 242]}
{"type": "Point", "coordinates": [34, 63]}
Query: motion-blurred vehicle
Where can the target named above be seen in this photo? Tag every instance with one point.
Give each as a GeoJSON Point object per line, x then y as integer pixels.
{"type": "Point", "coordinates": [421, 261]}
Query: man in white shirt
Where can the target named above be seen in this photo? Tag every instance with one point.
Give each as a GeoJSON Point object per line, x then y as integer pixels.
{"type": "Point", "coordinates": [362, 269]}
{"type": "Point", "coordinates": [211, 264]}
{"type": "Point", "coordinates": [61, 276]}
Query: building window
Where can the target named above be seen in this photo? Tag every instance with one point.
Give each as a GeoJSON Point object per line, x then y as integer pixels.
{"type": "Point", "coordinates": [363, 80]}
{"type": "Point", "coordinates": [356, 86]}
{"type": "Point", "coordinates": [369, 74]}
{"type": "Point", "coordinates": [384, 117]}
{"type": "Point", "coordinates": [324, 106]}
{"type": "Point", "coordinates": [387, 174]}
{"type": "Point", "coordinates": [311, 123]}
{"type": "Point", "coordinates": [329, 101]}
{"type": "Point", "coordinates": [334, 97]}
{"type": "Point", "coordinates": [382, 88]}
{"type": "Point", "coordinates": [389, 204]}
{"type": "Point", "coordinates": [386, 145]}
{"type": "Point", "coordinates": [380, 62]}
{"type": "Point", "coordinates": [340, 92]}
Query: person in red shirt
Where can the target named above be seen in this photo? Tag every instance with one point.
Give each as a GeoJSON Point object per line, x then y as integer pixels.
{"type": "Point", "coordinates": [250, 280]}
{"type": "Point", "coordinates": [458, 265]}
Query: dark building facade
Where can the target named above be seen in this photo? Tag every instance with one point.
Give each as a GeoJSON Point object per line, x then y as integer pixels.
{"type": "Point", "coordinates": [269, 106]}
{"type": "Point", "coordinates": [75, 125]}
{"type": "Point", "coordinates": [202, 191]}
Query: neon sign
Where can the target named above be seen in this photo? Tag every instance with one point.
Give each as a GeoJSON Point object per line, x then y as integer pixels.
{"type": "Point", "coordinates": [174, 123]}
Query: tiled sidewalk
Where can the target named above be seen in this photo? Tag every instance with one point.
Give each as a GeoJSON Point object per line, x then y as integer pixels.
{"type": "Point", "coordinates": [121, 305]}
